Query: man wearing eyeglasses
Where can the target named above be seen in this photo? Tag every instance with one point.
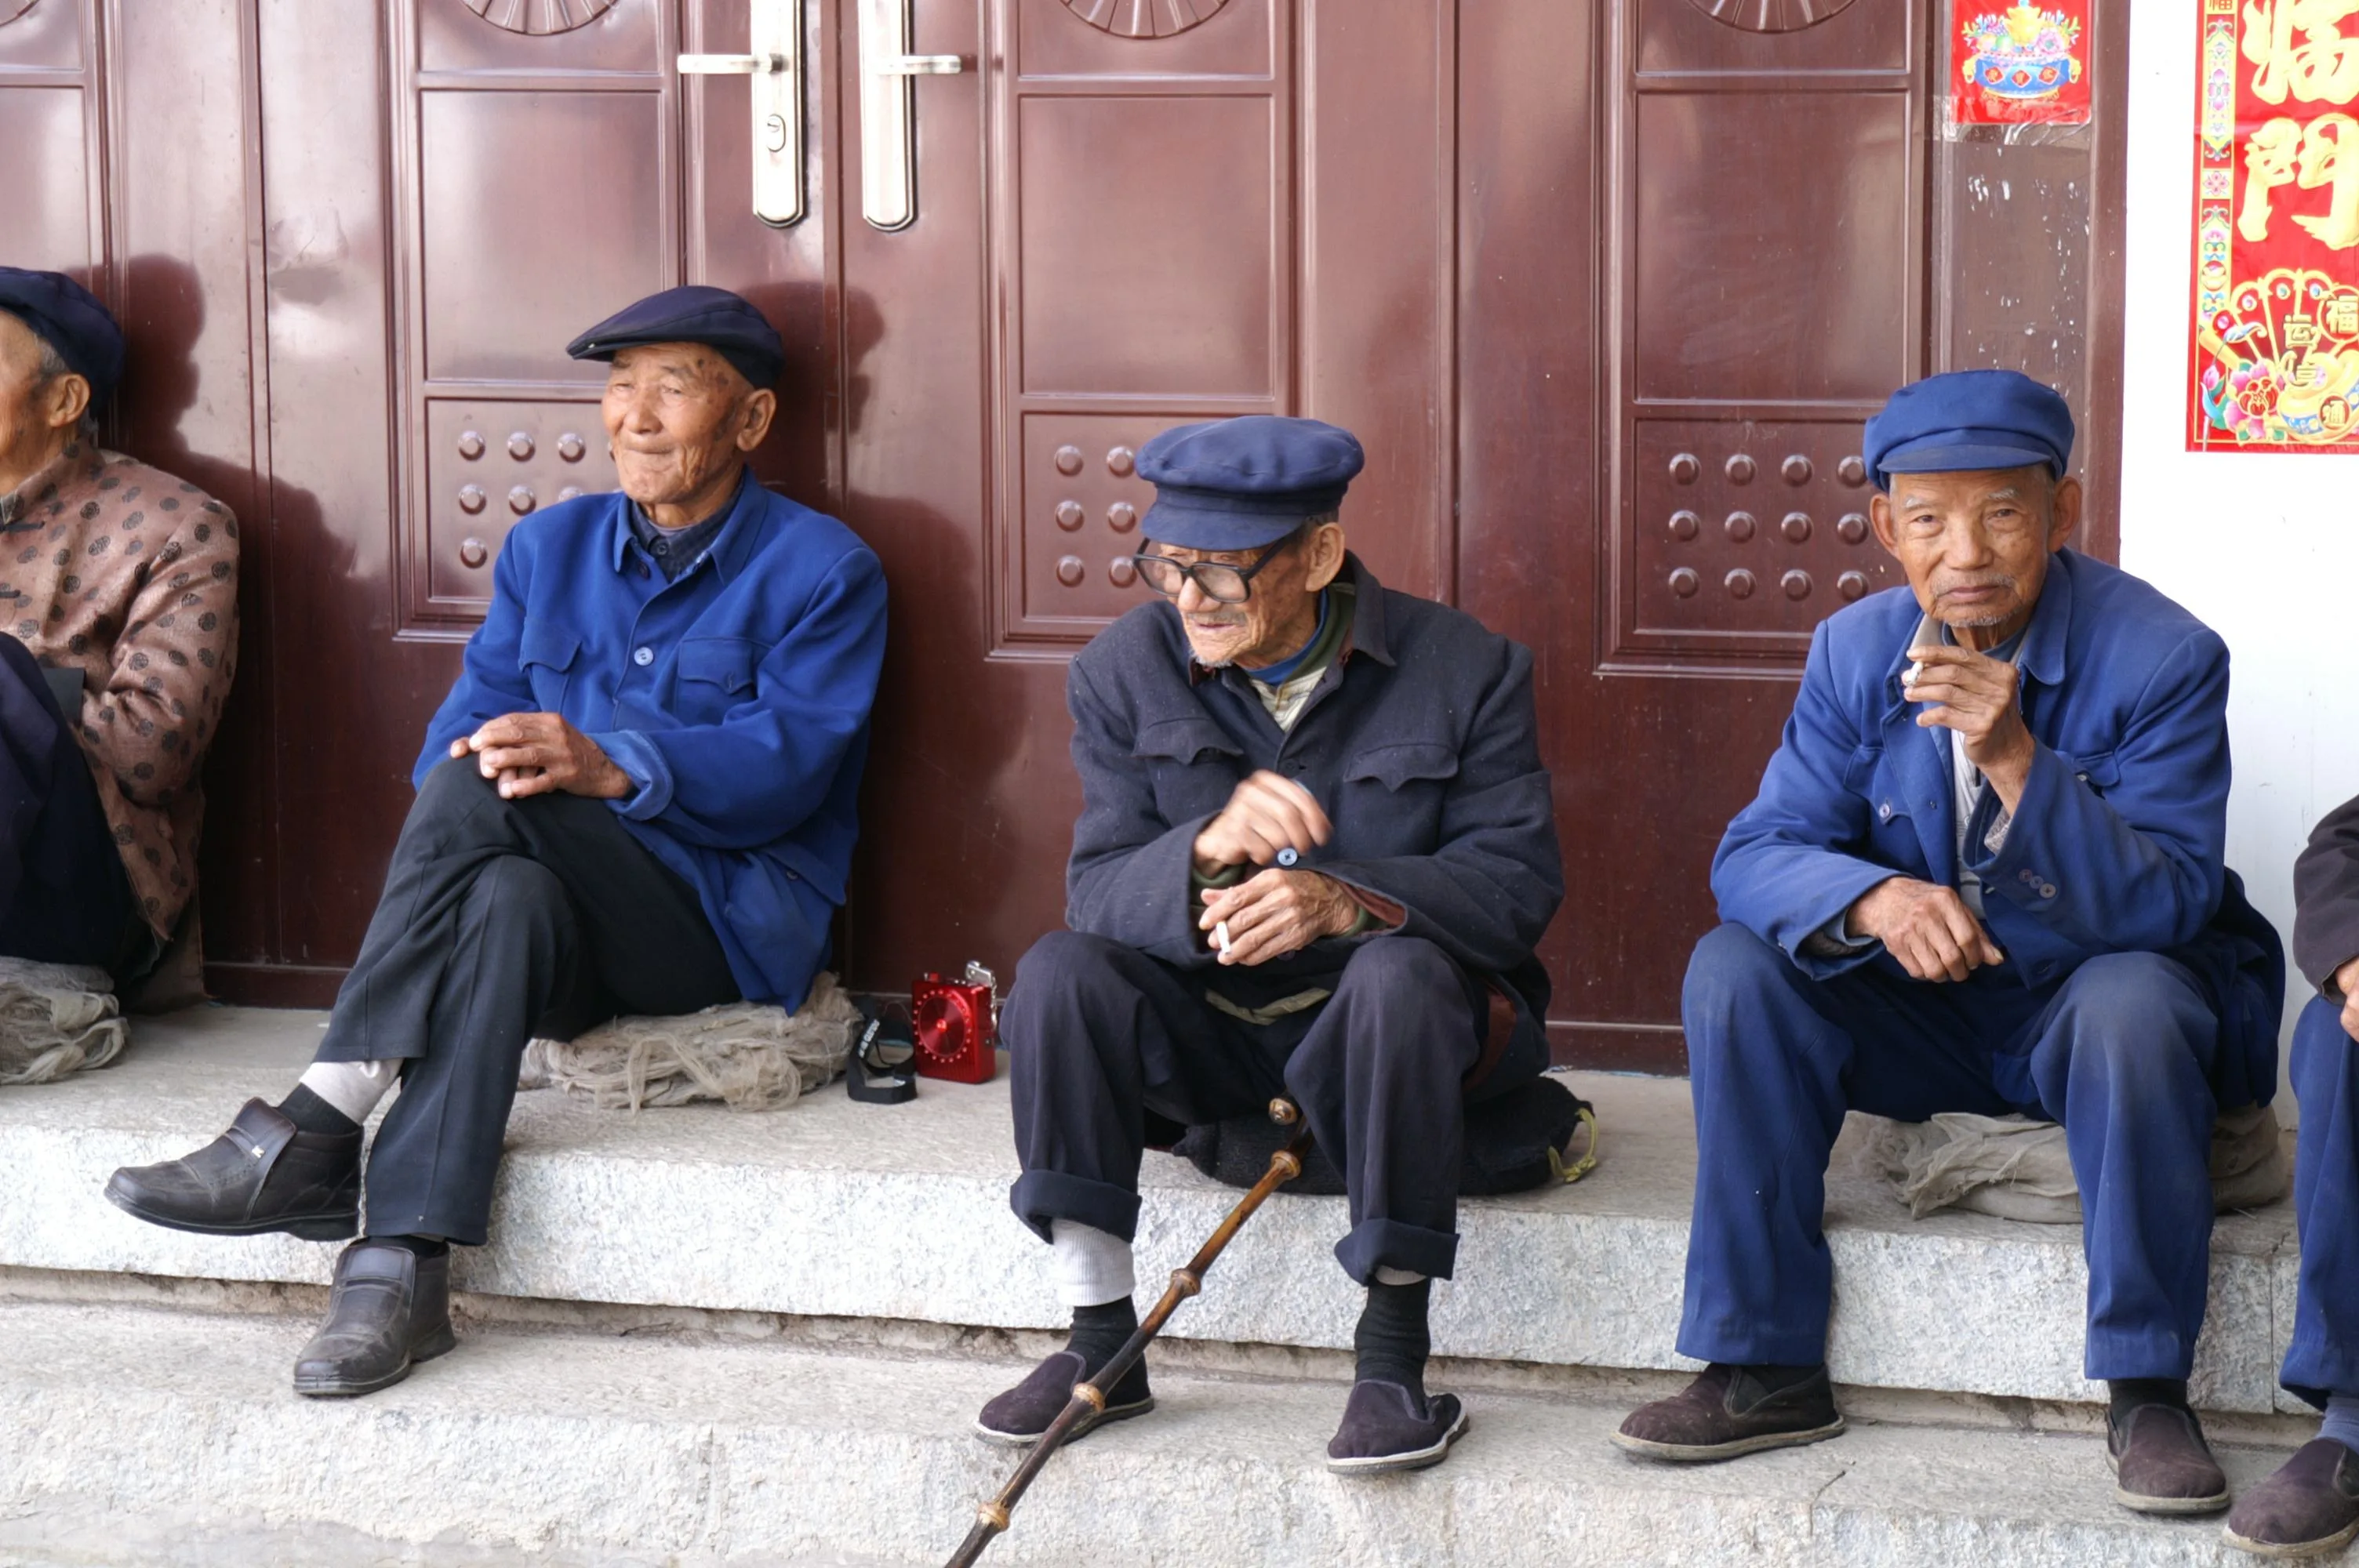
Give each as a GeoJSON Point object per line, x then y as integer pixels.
{"type": "Point", "coordinates": [1316, 849]}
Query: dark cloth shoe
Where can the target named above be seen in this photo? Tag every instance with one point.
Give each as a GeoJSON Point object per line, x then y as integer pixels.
{"type": "Point", "coordinates": [2161, 1463]}
{"type": "Point", "coordinates": [263, 1174]}
{"type": "Point", "coordinates": [2310, 1507]}
{"type": "Point", "coordinates": [1728, 1412]}
{"type": "Point", "coordinates": [390, 1310]}
{"type": "Point", "coordinates": [1018, 1418]}
{"type": "Point", "coordinates": [1388, 1428]}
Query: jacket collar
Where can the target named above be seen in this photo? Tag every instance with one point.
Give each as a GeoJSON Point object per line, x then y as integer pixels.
{"type": "Point", "coordinates": [737, 538]}
{"type": "Point", "coordinates": [1366, 634]}
{"type": "Point", "coordinates": [49, 481]}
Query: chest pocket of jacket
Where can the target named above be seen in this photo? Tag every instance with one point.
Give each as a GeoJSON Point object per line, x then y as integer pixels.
{"type": "Point", "coordinates": [716, 673]}
{"type": "Point", "coordinates": [1398, 791]}
{"type": "Point", "coordinates": [1867, 776]}
{"type": "Point", "coordinates": [548, 651]}
{"type": "Point", "coordinates": [1194, 763]}
{"type": "Point", "coordinates": [2101, 772]}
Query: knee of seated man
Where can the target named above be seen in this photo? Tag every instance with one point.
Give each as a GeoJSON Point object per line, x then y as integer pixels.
{"type": "Point", "coordinates": [2129, 1006]}
{"type": "Point", "coordinates": [1730, 966]}
{"type": "Point", "coordinates": [454, 786]}
{"type": "Point", "coordinates": [1400, 968]}
{"type": "Point", "coordinates": [1061, 963]}
{"type": "Point", "coordinates": [514, 888]}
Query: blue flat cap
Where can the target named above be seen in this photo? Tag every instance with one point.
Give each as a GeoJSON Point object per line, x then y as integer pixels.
{"type": "Point", "coordinates": [1970, 420]}
{"type": "Point", "coordinates": [1239, 484]}
{"type": "Point", "coordinates": [69, 317]}
{"type": "Point", "coordinates": [725, 322]}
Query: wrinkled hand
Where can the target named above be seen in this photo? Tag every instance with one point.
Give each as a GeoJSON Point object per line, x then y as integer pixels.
{"type": "Point", "coordinates": [1269, 813]}
{"type": "Point", "coordinates": [1927, 928]}
{"type": "Point", "coordinates": [540, 754]}
{"type": "Point", "coordinates": [1274, 914]}
{"type": "Point", "coordinates": [1975, 695]}
{"type": "Point", "coordinates": [2346, 980]}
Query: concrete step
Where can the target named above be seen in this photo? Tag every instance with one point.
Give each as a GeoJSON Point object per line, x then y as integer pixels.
{"type": "Point", "coordinates": [832, 1208]}
{"type": "Point", "coordinates": [162, 1436]}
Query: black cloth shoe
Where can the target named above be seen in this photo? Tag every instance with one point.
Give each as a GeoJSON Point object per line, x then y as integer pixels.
{"type": "Point", "coordinates": [1018, 1418]}
{"type": "Point", "coordinates": [1729, 1411]}
{"type": "Point", "coordinates": [390, 1310]}
{"type": "Point", "coordinates": [2309, 1507]}
{"type": "Point", "coordinates": [1388, 1428]}
{"type": "Point", "coordinates": [2161, 1463]}
{"type": "Point", "coordinates": [263, 1174]}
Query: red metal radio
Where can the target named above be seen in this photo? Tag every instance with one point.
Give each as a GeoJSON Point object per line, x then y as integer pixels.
{"type": "Point", "coordinates": [957, 1025]}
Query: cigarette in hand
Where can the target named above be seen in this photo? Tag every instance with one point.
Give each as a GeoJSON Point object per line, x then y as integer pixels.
{"type": "Point", "coordinates": [1914, 673]}
{"type": "Point", "coordinates": [1221, 935]}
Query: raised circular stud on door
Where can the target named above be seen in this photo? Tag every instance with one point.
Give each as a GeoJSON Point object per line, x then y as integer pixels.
{"type": "Point", "coordinates": [1071, 570]}
{"type": "Point", "coordinates": [1122, 462]}
{"type": "Point", "coordinates": [1740, 469]}
{"type": "Point", "coordinates": [1740, 526]}
{"type": "Point", "coordinates": [1121, 517]}
{"type": "Point", "coordinates": [1796, 469]}
{"type": "Point", "coordinates": [1684, 582]}
{"type": "Point", "coordinates": [1797, 584]}
{"type": "Point", "coordinates": [1852, 586]}
{"type": "Point", "coordinates": [473, 553]}
{"type": "Point", "coordinates": [521, 500]}
{"type": "Point", "coordinates": [1069, 517]}
{"type": "Point", "coordinates": [536, 18]}
{"type": "Point", "coordinates": [1796, 527]}
{"type": "Point", "coordinates": [471, 499]}
{"type": "Point", "coordinates": [1121, 572]}
{"type": "Point", "coordinates": [1685, 525]}
{"type": "Point", "coordinates": [1739, 583]}
{"type": "Point", "coordinates": [1069, 461]}
{"type": "Point", "coordinates": [520, 446]}
{"type": "Point", "coordinates": [1767, 16]}
{"type": "Point", "coordinates": [1852, 528]}
{"type": "Point", "coordinates": [1131, 19]}
{"type": "Point", "coordinates": [571, 446]}
{"type": "Point", "coordinates": [1853, 471]}
{"type": "Point", "coordinates": [1686, 468]}
{"type": "Point", "coordinates": [470, 444]}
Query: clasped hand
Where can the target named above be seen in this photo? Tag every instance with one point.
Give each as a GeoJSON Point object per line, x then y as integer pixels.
{"type": "Point", "coordinates": [1279, 910]}
{"type": "Point", "coordinates": [541, 753]}
{"type": "Point", "coordinates": [1926, 926]}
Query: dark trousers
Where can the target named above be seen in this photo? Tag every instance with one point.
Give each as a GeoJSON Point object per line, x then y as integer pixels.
{"type": "Point", "coordinates": [63, 896]}
{"type": "Point", "coordinates": [2324, 1356]}
{"type": "Point", "coordinates": [1101, 1034]}
{"type": "Point", "coordinates": [502, 920]}
{"type": "Point", "coordinates": [2122, 1052]}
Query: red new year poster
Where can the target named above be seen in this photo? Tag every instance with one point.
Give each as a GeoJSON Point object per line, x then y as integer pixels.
{"type": "Point", "coordinates": [2019, 65]}
{"type": "Point", "coordinates": [2274, 360]}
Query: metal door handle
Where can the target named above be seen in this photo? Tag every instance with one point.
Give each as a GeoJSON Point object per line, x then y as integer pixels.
{"type": "Point", "coordinates": [776, 67]}
{"type": "Point", "coordinates": [888, 134]}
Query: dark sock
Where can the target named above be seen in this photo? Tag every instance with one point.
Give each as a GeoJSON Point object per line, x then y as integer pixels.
{"type": "Point", "coordinates": [1776, 1379]}
{"type": "Point", "coordinates": [2129, 1393]}
{"type": "Point", "coordinates": [423, 1245]}
{"type": "Point", "coordinates": [310, 1113]}
{"type": "Point", "coordinates": [1099, 1331]}
{"type": "Point", "coordinates": [1392, 1342]}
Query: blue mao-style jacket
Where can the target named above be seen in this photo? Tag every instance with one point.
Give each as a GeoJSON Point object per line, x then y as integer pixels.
{"type": "Point", "coordinates": [2117, 843]}
{"type": "Point", "coordinates": [735, 698]}
{"type": "Point", "coordinates": [1421, 744]}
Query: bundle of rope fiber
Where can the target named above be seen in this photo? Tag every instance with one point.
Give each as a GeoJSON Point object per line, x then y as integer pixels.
{"type": "Point", "coordinates": [744, 1055]}
{"type": "Point", "coordinates": [56, 1018]}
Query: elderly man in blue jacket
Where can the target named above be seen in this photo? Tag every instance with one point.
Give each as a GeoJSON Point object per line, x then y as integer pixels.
{"type": "Point", "coordinates": [1983, 874]}
{"type": "Point", "coordinates": [1315, 852]}
{"type": "Point", "coordinates": [638, 798]}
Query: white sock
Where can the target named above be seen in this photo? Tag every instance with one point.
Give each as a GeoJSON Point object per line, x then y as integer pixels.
{"type": "Point", "coordinates": [353, 1087]}
{"type": "Point", "coordinates": [1092, 1266]}
{"type": "Point", "coordinates": [1389, 1275]}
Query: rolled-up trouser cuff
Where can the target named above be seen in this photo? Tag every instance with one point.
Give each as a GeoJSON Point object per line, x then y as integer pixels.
{"type": "Point", "coordinates": [1389, 1244]}
{"type": "Point", "coordinates": [1039, 1196]}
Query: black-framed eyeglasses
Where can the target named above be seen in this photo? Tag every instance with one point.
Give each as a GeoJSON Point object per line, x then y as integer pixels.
{"type": "Point", "coordinates": [1216, 580]}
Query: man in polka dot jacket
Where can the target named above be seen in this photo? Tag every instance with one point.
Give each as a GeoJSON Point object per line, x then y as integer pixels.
{"type": "Point", "coordinates": [118, 638]}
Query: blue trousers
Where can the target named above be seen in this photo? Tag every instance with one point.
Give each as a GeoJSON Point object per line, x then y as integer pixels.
{"type": "Point", "coordinates": [2122, 1052]}
{"type": "Point", "coordinates": [2324, 1357]}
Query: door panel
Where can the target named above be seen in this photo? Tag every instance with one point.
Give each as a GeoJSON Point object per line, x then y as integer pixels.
{"type": "Point", "coordinates": [50, 151]}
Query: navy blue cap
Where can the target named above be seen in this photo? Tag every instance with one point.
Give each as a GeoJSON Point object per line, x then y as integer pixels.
{"type": "Point", "coordinates": [69, 317]}
{"type": "Point", "coordinates": [1970, 420]}
{"type": "Point", "coordinates": [725, 322]}
{"type": "Point", "coordinates": [1239, 484]}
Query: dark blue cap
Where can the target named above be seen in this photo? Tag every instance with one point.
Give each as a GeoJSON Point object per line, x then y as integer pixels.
{"type": "Point", "coordinates": [1970, 420]}
{"type": "Point", "coordinates": [69, 317]}
{"type": "Point", "coordinates": [725, 322]}
{"type": "Point", "coordinates": [1239, 484]}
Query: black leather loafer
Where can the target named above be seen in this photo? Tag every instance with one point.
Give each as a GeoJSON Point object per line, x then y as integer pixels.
{"type": "Point", "coordinates": [261, 1176]}
{"type": "Point", "coordinates": [1018, 1418]}
{"type": "Point", "coordinates": [390, 1310]}
{"type": "Point", "coordinates": [1383, 1431]}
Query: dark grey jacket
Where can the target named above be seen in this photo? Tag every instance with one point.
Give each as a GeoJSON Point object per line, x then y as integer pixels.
{"type": "Point", "coordinates": [1420, 743]}
{"type": "Point", "coordinates": [2326, 898]}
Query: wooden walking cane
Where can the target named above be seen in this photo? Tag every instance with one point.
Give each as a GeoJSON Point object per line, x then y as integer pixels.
{"type": "Point", "coordinates": [1089, 1397]}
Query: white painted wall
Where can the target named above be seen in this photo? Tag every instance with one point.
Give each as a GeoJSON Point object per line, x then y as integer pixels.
{"type": "Point", "coordinates": [2264, 547]}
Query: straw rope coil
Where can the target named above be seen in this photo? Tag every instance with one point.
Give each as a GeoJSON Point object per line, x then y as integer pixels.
{"type": "Point", "coordinates": [745, 1055]}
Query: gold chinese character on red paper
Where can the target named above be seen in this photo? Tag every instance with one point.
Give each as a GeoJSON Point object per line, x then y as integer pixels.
{"type": "Point", "coordinates": [2299, 46]}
